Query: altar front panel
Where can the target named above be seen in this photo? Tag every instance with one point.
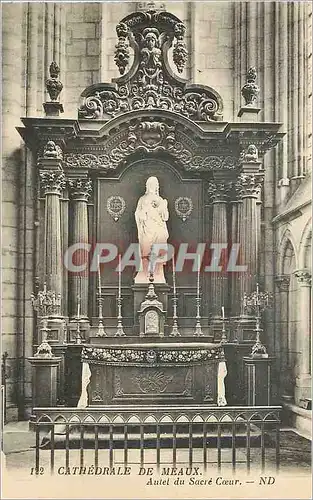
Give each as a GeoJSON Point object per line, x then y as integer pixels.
{"type": "Point", "coordinates": [153, 385]}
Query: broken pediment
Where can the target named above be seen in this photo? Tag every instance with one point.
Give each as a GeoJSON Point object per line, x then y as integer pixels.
{"type": "Point", "coordinates": [150, 83]}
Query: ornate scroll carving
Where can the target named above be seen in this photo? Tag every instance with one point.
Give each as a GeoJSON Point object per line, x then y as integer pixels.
{"type": "Point", "coordinates": [96, 393]}
{"type": "Point", "coordinates": [150, 84]}
{"type": "Point", "coordinates": [250, 90]}
{"type": "Point", "coordinates": [304, 277]}
{"type": "Point", "coordinates": [80, 189]}
{"type": "Point", "coordinates": [249, 185]}
{"type": "Point", "coordinates": [149, 137]}
{"type": "Point", "coordinates": [53, 84]}
{"type": "Point", "coordinates": [219, 191]}
{"type": "Point", "coordinates": [118, 389]}
{"type": "Point", "coordinates": [154, 381]}
{"type": "Point", "coordinates": [116, 207]}
{"type": "Point", "coordinates": [52, 182]}
{"type": "Point", "coordinates": [183, 207]}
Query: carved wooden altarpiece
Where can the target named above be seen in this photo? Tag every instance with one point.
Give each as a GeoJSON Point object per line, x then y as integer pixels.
{"type": "Point", "coordinates": [91, 171]}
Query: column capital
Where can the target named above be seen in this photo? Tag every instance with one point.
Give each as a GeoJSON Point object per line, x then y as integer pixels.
{"type": "Point", "coordinates": [219, 191]}
{"type": "Point", "coordinates": [52, 181]}
{"type": "Point", "coordinates": [303, 276]}
{"type": "Point", "coordinates": [249, 185]}
{"type": "Point", "coordinates": [282, 281]}
{"type": "Point", "coordinates": [80, 189]}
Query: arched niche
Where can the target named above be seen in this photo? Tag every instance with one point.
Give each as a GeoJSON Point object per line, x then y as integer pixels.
{"type": "Point", "coordinates": [129, 185]}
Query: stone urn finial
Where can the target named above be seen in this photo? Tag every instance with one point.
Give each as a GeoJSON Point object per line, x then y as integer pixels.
{"type": "Point", "coordinates": [53, 84]}
{"type": "Point", "coordinates": [250, 90]}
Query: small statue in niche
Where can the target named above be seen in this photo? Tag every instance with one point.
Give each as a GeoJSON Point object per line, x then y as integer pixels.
{"type": "Point", "coordinates": [51, 150]}
{"type": "Point", "coordinates": [151, 55]}
{"type": "Point", "coordinates": [251, 154]}
{"type": "Point", "coordinates": [151, 216]}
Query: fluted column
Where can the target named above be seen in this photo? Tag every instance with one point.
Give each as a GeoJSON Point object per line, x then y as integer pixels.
{"type": "Point", "coordinates": [304, 279]}
{"type": "Point", "coordinates": [236, 220]}
{"type": "Point", "coordinates": [80, 190]}
{"type": "Point", "coordinates": [249, 186]}
{"type": "Point", "coordinates": [219, 192]}
{"type": "Point", "coordinates": [52, 183]}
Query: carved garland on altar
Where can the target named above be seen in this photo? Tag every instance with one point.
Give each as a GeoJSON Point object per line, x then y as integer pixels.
{"type": "Point", "coordinates": [109, 355]}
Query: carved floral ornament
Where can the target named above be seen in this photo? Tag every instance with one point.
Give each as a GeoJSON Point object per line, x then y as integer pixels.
{"type": "Point", "coordinates": [219, 191]}
{"type": "Point", "coordinates": [80, 188]}
{"type": "Point", "coordinates": [131, 355]}
{"type": "Point", "coordinates": [249, 185]}
{"type": "Point", "coordinates": [304, 277]}
{"type": "Point", "coordinates": [150, 84]}
{"type": "Point", "coordinates": [149, 137]}
{"type": "Point", "coordinates": [52, 181]}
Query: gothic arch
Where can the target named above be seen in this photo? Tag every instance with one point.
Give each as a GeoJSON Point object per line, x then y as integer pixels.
{"type": "Point", "coordinates": [287, 242]}
{"type": "Point", "coordinates": [305, 248]}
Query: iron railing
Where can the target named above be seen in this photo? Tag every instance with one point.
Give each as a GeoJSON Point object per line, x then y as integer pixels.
{"type": "Point", "coordinates": [218, 436]}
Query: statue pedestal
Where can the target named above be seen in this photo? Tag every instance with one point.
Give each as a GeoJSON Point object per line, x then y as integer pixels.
{"type": "Point", "coordinates": [140, 292]}
{"type": "Point", "coordinates": [258, 380]}
{"type": "Point", "coordinates": [44, 381]}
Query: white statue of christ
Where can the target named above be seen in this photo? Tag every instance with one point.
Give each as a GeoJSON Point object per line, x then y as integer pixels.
{"type": "Point", "coordinates": [151, 216]}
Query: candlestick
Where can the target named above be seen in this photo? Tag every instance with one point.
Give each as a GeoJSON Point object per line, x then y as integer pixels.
{"type": "Point", "coordinates": [175, 332]}
{"type": "Point", "coordinates": [99, 275]}
{"type": "Point", "coordinates": [198, 277]}
{"type": "Point", "coordinates": [223, 338]}
{"type": "Point", "coordinates": [198, 330]}
{"type": "Point", "coordinates": [119, 331]}
{"type": "Point", "coordinates": [119, 277]}
{"type": "Point", "coordinates": [78, 306]}
{"type": "Point", "coordinates": [174, 276]}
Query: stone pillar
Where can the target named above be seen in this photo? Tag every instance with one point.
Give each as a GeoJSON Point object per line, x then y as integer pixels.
{"type": "Point", "coordinates": [236, 219]}
{"type": "Point", "coordinates": [219, 191]}
{"type": "Point", "coordinates": [249, 186]}
{"type": "Point", "coordinates": [304, 280]}
{"type": "Point", "coordinates": [282, 283]}
{"type": "Point", "coordinates": [52, 182]}
{"type": "Point", "coordinates": [80, 190]}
